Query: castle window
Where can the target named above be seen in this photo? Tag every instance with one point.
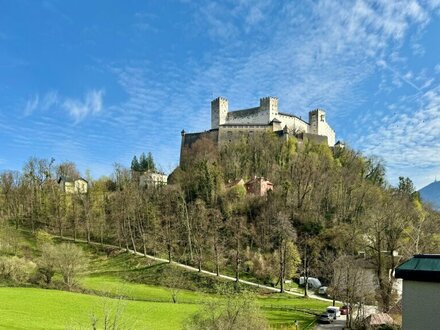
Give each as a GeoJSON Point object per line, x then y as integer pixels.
{"type": "Point", "coordinates": [322, 117]}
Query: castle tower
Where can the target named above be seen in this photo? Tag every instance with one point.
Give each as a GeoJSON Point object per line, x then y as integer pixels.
{"type": "Point", "coordinates": [317, 121]}
{"type": "Point", "coordinates": [269, 104]}
{"type": "Point", "coordinates": [219, 112]}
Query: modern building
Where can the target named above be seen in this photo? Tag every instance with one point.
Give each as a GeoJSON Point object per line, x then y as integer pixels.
{"type": "Point", "coordinates": [421, 292]}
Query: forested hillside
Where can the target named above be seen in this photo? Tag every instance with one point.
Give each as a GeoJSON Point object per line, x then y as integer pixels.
{"type": "Point", "coordinates": [327, 205]}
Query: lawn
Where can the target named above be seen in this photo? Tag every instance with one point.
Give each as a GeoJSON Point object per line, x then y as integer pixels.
{"type": "Point", "coordinates": [116, 286]}
{"type": "Point", "coordinates": [146, 300]}
{"type": "Point", "coordinates": [281, 310]}
{"type": "Point", "coordinates": [32, 308]}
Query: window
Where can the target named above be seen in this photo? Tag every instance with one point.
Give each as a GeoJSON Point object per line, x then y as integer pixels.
{"type": "Point", "coordinates": [322, 117]}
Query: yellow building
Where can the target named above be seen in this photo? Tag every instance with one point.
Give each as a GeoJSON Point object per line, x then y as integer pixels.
{"type": "Point", "coordinates": [72, 186]}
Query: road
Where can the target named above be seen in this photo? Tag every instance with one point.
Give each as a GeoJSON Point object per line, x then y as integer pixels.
{"type": "Point", "coordinates": [338, 324]}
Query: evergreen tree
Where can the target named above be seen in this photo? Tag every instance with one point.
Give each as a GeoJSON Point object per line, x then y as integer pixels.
{"type": "Point", "coordinates": [143, 162]}
{"type": "Point", "coordinates": [150, 163]}
{"type": "Point", "coordinates": [135, 166]}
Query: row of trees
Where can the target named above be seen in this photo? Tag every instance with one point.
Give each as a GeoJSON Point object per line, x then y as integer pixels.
{"type": "Point", "coordinates": [326, 204]}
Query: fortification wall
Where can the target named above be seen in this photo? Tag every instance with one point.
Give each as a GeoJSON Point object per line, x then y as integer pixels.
{"type": "Point", "coordinates": [253, 116]}
{"type": "Point", "coordinates": [324, 129]}
{"type": "Point", "coordinates": [293, 123]}
{"type": "Point", "coordinates": [232, 133]}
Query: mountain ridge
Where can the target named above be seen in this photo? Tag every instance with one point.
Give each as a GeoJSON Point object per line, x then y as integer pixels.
{"type": "Point", "coordinates": [431, 194]}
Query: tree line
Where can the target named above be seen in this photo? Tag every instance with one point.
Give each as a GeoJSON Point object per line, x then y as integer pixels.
{"type": "Point", "coordinates": [327, 205]}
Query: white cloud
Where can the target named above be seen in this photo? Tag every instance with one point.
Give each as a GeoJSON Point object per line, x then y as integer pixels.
{"type": "Point", "coordinates": [80, 109]}
{"type": "Point", "coordinates": [77, 109]}
{"type": "Point", "coordinates": [409, 139]}
{"type": "Point", "coordinates": [31, 104]}
{"type": "Point", "coordinates": [49, 100]}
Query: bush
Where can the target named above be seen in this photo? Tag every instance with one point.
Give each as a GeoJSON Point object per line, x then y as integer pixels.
{"type": "Point", "coordinates": [43, 237]}
{"type": "Point", "coordinates": [18, 270]}
{"type": "Point", "coordinates": [236, 312]}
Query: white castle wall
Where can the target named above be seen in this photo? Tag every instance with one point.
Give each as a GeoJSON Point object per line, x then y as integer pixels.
{"type": "Point", "coordinates": [326, 130]}
{"type": "Point", "coordinates": [264, 114]}
{"type": "Point", "coordinates": [293, 123]}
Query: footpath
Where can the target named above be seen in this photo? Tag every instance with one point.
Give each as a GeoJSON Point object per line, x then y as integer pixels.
{"type": "Point", "coordinates": [194, 269]}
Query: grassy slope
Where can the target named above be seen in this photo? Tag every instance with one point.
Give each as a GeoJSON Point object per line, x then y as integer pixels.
{"type": "Point", "coordinates": [32, 308]}
{"type": "Point", "coordinates": [139, 280]}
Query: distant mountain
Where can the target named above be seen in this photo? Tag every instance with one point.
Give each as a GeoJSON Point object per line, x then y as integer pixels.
{"type": "Point", "coordinates": [431, 194]}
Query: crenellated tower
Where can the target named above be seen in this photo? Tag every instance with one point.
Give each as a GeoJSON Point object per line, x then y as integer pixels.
{"type": "Point", "coordinates": [219, 112]}
{"type": "Point", "coordinates": [269, 104]}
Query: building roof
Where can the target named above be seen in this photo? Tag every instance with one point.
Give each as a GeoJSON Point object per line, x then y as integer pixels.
{"type": "Point", "coordinates": [421, 267]}
{"type": "Point", "coordinates": [242, 113]}
{"type": "Point", "coordinates": [379, 319]}
{"type": "Point", "coordinates": [69, 179]}
{"type": "Point", "coordinates": [290, 115]}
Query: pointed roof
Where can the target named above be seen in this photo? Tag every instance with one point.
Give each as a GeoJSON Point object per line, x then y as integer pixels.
{"type": "Point", "coordinates": [275, 121]}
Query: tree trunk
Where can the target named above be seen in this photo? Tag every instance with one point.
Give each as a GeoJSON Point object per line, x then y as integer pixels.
{"type": "Point", "coordinates": [282, 266]}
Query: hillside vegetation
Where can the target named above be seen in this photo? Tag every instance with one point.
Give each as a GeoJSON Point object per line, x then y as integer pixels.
{"type": "Point", "coordinates": [331, 211]}
{"type": "Point", "coordinates": [132, 291]}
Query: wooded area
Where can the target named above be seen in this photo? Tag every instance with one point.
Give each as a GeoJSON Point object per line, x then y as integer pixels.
{"type": "Point", "coordinates": [327, 205]}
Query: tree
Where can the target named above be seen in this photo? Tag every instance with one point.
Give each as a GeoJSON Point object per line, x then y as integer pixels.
{"type": "Point", "coordinates": [69, 261]}
{"type": "Point", "coordinates": [48, 262]}
{"type": "Point", "coordinates": [384, 225]}
{"type": "Point", "coordinates": [135, 166]}
{"type": "Point", "coordinates": [285, 250]}
{"type": "Point", "coordinates": [352, 283]}
{"type": "Point", "coordinates": [68, 170]}
{"type": "Point", "coordinates": [236, 311]}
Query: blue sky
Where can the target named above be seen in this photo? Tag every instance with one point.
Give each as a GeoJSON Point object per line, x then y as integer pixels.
{"type": "Point", "coordinates": [96, 82]}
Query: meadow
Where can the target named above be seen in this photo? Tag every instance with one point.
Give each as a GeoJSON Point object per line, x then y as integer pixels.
{"type": "Point", "coordinates": [137, 293]}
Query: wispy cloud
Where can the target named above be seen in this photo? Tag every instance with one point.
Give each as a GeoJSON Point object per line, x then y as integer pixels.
{"type": "Point", "coordinates": [309, 54]}
{"type": "Point", "coordinates": [77, 109]}
{"type": "Point", "coordinates": [92, 104]}
{"type": "Point", "coordinates": [403, 77]}
{"type": "Point", "coordinates": [320, 57]}
{"type": "Point", "coordinates": [31, 104]}
{"type": "Point", "coordinates": [409, 137]}
{"type": "Point", "coordinates": [49, 100]}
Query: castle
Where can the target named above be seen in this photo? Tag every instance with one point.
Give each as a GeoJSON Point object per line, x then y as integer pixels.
{"type": "Point", "coordinates": [229, 125]}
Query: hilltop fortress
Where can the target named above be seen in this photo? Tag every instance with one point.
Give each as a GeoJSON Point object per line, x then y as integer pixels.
{"type": "Point", "coordinates": [229, 125]}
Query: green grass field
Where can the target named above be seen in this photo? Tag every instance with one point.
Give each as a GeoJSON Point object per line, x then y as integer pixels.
{"type": "Point", "coordinates": [32, 308]}
{"type": "Point", "coordinates": [146, 301]}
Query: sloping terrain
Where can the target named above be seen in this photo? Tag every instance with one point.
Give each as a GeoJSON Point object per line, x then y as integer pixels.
{"type": "Point", "coordinates": [431, 194]}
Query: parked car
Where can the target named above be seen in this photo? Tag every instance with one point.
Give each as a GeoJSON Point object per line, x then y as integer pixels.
{"type": "Point", "coordinates": [345, 310]}
{"type": "Point", "coordinates": [334, 312]}
{"type": "Point", "coordinates": [325, 318]}
{"type": "Point", "coordinates": [322, 290]}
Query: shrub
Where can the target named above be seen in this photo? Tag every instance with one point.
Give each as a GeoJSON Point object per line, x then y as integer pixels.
{"type": "Point", "coordinates": [43, 237]}
{"type": "Point", "coordinates": [18, 270]}
{"type": "Point", "coordinates": [236, 312]}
